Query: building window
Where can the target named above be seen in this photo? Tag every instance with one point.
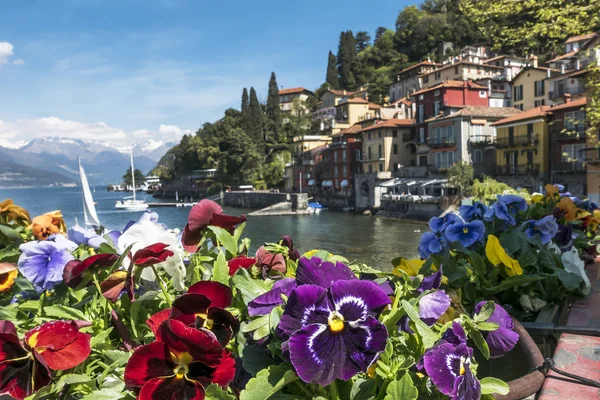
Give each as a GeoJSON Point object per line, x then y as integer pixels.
{"type": "Point", "coordinates": [482, 93]}
{"type": "Point", "coordinates": [369, 135]}
{"type": "Point", "coordinates": [436, 92]}
{"type": "Point", "coordinates": [380, 167]}
{"type": "Point", "coordinates": [436, 108]}
{"type": "Point", "coordinates": [575, 121]}
{"type": "Point", "coordinates": [456, 69]}
{"type": "Point", "coordinates": [357, 154]}
{"type": "Point", "coordinates": [539, 103]}
{"type": "Point", "coordinates": [380, 151]}
{"type": "Point", "coordinates": [370, 168]}
{"type": "Point", "coordinates": [335, 156]}
{"type": "Point", "coordinates": [538, 88]}
{"type": "Point", "coordinates": [478, 156]}
{"type": "Point", "coordinates": [395, 167]}
{"type": "Point", "coordinates": [426, 79]}
{"type": "Point", "coordinates": [422, 135]}
{"type": "Point", "coordinates": [394, 133]}
{"type": "Point", "coordinates": [529, 133]}
{"type": "Point", "coordinates": [573, 152]}
{"type": "Point", "coordinates": [335, 172]}
{"type": "Point", "coordinates": [344, 155]}
{"type": "Point", "coordinates": [518, 93]}
{"type": "Point", "coordinates": [450, 134]}
{"type": "Point", "coordinates": [519, 106]}
{"type": "Point", "coordinates": [395, 149]}
{"type": "Point", "coordinates": [437, 75]}
{"type": "Point", "coordinates": [379, 134]}
{"type": "Point", "coordinates": [511, 136]}
{"type": "Point", "coordinates": [345, 170]}
{"type": "Point", "coordinates": [421, 115]}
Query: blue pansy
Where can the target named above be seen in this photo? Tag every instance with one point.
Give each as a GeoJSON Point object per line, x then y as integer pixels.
{"type": "Point", "coordinates": [429, 244]}
{"type": "Point", "coordinates": [84, 236]}
{"type": "Point", "coordinates": [506, 208]}
{"type": "Point", "coordinates": [544, 228]}
{"type": "Point", "coordinates": [466, 234]}
{"type": "Point", "coordinates": [439, 224]}
{"type": "Point", "coordinates": [475, 211]}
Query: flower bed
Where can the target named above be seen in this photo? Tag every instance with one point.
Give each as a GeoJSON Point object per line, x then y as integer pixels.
{"type": "Point", "coordinates": [149, 313]}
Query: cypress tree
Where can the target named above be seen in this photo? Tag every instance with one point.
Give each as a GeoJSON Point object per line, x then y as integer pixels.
{"type": "Point", "coordinates": [244, 101]}
{"type": "Point", "coordinates": [345, 57]}
{"type": "Point", "coordinates": [254, 122]}
{"type": "Point", "coordinates": [332, 74]}
{"type": "Point", "coordinates": [272, 110]}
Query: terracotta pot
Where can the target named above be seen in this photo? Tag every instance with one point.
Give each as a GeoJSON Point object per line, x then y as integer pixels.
{"type": "Point", "coordinates": [532, 382]}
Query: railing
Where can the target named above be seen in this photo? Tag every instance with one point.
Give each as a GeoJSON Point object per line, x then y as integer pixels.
{"type": "Point", "coordinates": [557, 94]}
{"type": "Point", "coordinates": [568, 166]}
{"type": "Point", "coordinates": [434, 168]}
{"type": "Point", "coordinates": [216, 197]}
{"type": "Point", "coordinates": [522, 140]}
{"type": "Point", "coordinates": [481, 139]}
{"type": "Point", "coordinates": [592, 155]}
{"type": "Point", "coordinates": [578, 133]}
{"type": "Point", "coordinates": [521, 169]}
{"type": "Point", "coordinates": [441, 142]}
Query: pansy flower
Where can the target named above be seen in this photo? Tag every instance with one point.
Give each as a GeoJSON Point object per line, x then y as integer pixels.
{"type": "Point", "coordinates": [333, 333]}
{"type": "Point", "coordinates": [25, 365]}
{"type": "Point", "coordinates": [429, 244]}
{"type": "Point", "coordinates": [266, 302]}
{"type": "Point", "coordinates": [410, 266]}
{"type": "Point", "coordinates": [569, 210]}
{"type": "Point", "coordinates": [293, 254]}
{"type": "Point", "coordinates": [182, 361]}
{"type": "Point", "coordinates": [8, 273]}
{"type": "Point", "coordinates": [75, 269]}
{"type": "Point", "coordinates": [544, 229]}
{"type": "Point", "coordinates": [466, 234]}
{"type": "Point", "coordinates": [439, 224]}
{"type": "Point", "coordinates": [496, 254]}
{"type": "Point", "coordinates": [83, 236]}
{"type": "Point", "coordinates": [503, 339]}
{"type": "Point", "coordinates": [43, 262]}
{"type": "Point", "coordinates": [449, 367]}
{"type": "Point", "coordinates": [12, 212]}
{"type": "Point", "coordinates": [240, 262]}
{"type": "Point", "coordinates": [48, 224]}
{"type": "Point", "coordinates": [506, 208]}
{"type": "Point", "coordinates": [475, 211]}
{"type": "Point", "coordinates": [270, 264]}
{"type": "Point", "coordinates": [206, 213]}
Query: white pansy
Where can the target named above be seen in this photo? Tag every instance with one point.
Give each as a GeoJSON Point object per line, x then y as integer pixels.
{"type": "Point", "coordinates": [145, 233]}
{"type": "Point", "coordinates": [574, 264]}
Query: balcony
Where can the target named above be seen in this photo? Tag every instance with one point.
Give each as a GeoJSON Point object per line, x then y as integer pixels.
{"type": "Point", "coordinates": [592, 155]}
{"type": "Point", "coordinates": [481, 139]}
{"type": "Point", "coordinates": [438, 170]}
{"type": "Point", "coordinates": [434, 142]}
{"type": "Point", "coordinates": [521, 169]}
{"type": "Point", "coordinates": [522, 140]}
{"type": "Point", "coordinates": [573, 90]}
{"type": "Point", "coordinates": [568, 166]}
{"type": "Point", "coordinates": [579, 133]}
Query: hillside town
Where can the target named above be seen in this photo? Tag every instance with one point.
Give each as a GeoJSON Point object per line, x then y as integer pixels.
{"type": "Point", "coordinates": [510, 117]}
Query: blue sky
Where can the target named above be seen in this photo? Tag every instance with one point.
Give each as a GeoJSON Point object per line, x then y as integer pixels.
{"type": "Point", "coordinates": [137, 70]}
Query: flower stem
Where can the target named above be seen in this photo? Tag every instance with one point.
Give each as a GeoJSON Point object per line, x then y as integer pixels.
{"type": "Point", "coordinates": [333, 391]}
{"type": "Point", "coordinates": [305, 390]}
{"type": "Point", "coordinates": [162, 286]}
{"type": "Point", "coordinates": [107, 305]}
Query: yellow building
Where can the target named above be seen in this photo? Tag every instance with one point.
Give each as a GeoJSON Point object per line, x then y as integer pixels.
{"type": "Point", "coordinates": [387, 145]}
{"type": "Point", "coordinates": [287, 97]}
{"type": "Point", "coordinates": [529, 88]}
{"type": "Point", "coordinates": [522, 146]}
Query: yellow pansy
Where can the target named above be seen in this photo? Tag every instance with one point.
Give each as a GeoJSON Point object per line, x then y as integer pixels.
{"type": "Point", "coordinates": [13, 212]}
{"type": "Point", "coordinates": [497, 255]}
{"type": "Point", "coordinates": [8, 273]}
{"type": "Point", "coordinates": [310, 253]}
{"type": "Point", "coordinates": [411, 267]}
{"type": "Point", "coordinates": [537, 197]}
{"type": "Point", "coordinates": [551, 190]}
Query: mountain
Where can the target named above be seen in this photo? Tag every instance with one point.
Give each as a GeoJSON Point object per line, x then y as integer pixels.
{"type": "Point", "coordinates": [17, 175]}
{"type": "Point", "coordinates": [58, 157]}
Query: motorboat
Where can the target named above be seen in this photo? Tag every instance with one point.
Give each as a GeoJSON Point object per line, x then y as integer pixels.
{"type": "Point", "coordinates": [314, 207]}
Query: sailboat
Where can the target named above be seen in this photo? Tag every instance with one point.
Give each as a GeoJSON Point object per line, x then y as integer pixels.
{"type": "Point", "coordinates": [131, 203]}
{"type": "Point", "coordinates": [89, 209]}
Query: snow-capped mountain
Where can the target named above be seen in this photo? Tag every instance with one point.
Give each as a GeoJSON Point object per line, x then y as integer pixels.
{"type": "Point", "coordinates": [103, 162]}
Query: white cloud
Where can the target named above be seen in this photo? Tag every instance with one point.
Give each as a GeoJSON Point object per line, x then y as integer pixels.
{"type": "Point", "coordinates": [14, 134]}
{"type": "Point", "coordinates": [18, 62]}
{"type": "Point", "coordinates": [6, 51]}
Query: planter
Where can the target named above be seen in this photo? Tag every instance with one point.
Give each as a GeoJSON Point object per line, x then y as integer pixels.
{"type": "Point", "coordinates": [539, 330]}
{"type": "Point", "coordinates": [530, 383]}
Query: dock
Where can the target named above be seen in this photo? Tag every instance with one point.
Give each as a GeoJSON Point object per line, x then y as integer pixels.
{"type": "Point", "coordinates": [156, 204]}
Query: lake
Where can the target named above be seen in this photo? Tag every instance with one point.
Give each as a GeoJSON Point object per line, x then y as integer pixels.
{"type": "Point", "coordinates": [374, 241]}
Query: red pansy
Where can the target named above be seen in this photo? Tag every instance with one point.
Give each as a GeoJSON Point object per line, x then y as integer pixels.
{"type": "Point", "coordinates": [270, 264]}
{"type": "Point", "coordinates": [151, 255]}
{"type": "Point", "coordinates": [25, 365]}
{"type": "Point", "coordinates": [74, 270]}
{"type": "Point", "coordinates": [240, 262]}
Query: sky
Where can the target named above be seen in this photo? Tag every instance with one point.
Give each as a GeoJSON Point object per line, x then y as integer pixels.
{"type": "Point", "coordinates": [132, 71]}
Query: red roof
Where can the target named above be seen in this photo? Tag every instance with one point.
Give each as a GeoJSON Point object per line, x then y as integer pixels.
{"type": "Point", "coordinates": [356, 100]}
{"type": "Point", "coordinates": [422, 63]}
{"type": "Point", "coordinates": [582, 101]}
{"type": "Point", "coordinates": [349, 131]}
{"type": "Point", "coordinates": [563, 56]}
{"type": "Point", "coordinates": [403, 100]}
{"type": "Point", "coordinates": [390, 123]}
{"type": "Point", "coordinates": [374, 106]}
{"type": "Point", "coordinates": [579, 38]}
{"type": "Point", "coordinates": [525, 115]}
{"type": "Point", "coordinates": [293, 90]}
{"type": "Point", "coordinates": [451, 84]}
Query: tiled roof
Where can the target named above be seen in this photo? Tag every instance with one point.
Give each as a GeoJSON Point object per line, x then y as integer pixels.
{"type": "Point", "coordinates": [355, 100]}
{"type": "Point", "coordinates": [479, 111]}
{"type": "Point", "coordinates": [538, 68]}
{"type": "Point", "coordinates": [489, 60]}
{"type": "Point", "coordinates": [293, 90]}
{"type": "Point", "coordinates": [403, 100]}
{"type": "Point", "coordinates": [349, 131]}
{"type": "Point", "coordinates": [451, 84]}
{"type": "Point", "coordinates": [374, 106]}
{"type": "Point", "coordinates": [525, 115]}
{"type": "Point", "coordinates": [582, 101]}
{"type": "Point", "coordinates": [462, 62]}
{"type": "Point", "coordinates": [579, 38]}
{"type": "Point", "coordinates": [341, 92]}
{"type": "Point", "coordinates": [422, 63]}
{"type": "Point", "coordinates": [563, 56]}
{"type": "Point", "coordinates": [575, 72]}
{"type": "Point", "coordinates": [390, 123]}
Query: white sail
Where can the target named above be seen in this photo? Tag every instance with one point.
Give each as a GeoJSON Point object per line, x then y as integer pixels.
{"type": "Point", "coordinates": [89, 210]}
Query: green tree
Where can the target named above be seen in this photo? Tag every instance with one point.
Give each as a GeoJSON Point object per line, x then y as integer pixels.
{"type": "Point", "coordinates": [244, 100]}
{"type": "Point", "coordinates": [460, 175]}
{"type": "Point", "coordinates": [273, 113]}
{"type": "Point", "coordinates": [379, 32]}
{"type": "Point", "coordinates": [139, 177]}
{"type": "Point", "coordinates": [332, 74]}
{"type": "Point", "coordinates": [363, 40]}
{"type": "Point", "coordinates": [345, 57]}
{"type": "Point", "coordinates": [254, 122]}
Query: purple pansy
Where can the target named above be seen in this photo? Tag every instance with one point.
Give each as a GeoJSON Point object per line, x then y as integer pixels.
{"type": "Point", "coordinates": [544, 228]}
{"type": "Point", "coordinates": [429, 244]}
{"type": "Point", "coordinates": [466, 234]}
{"type": "Point", "coordinates": [432, 306]}
{"type": "Point", "coordinates": [448, 366]}
{"type": "Point", "coordinates": [439, 224]}
{"type": "Point", "coordinates": [455, 334]}
{"type": "Point", "coordinates": [564, 237]}
{"type": "Point", "coordinates": [315, 271]}
{"type": "Point", "coordinates": [84, 236]}
{"type": "Point", "coordinates": [43, 262]}
{"type": "Point", "coordinates": [503, 339]}
{"type": "Point", "coordinates": [475, 211]}
{"type": "Point", "coordinates": [333, 333]}
{"type": "Point", "coordinates": [433, 281]}
{"type": "Point", "coordinates": [265, 303]}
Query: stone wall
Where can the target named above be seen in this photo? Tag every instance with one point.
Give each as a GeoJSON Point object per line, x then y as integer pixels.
{"type": "Point", "coordinates": [414, 211]}
{"type": "Point", "coordinates": [531, 183]}
{"type": "Point", "coordinates": [364, 196]}
{"type": "Point", "coordinates": [258, 200]}
{"type": "Point", "coordinates": [576, 184]}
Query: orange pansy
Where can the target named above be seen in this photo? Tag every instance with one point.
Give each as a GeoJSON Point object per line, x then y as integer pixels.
{"type": "Point", "coordinates": [13, 212]}
{"type": "Point", "coordinates": [48, 224]}
{"type": "Point", "coordinates": [8, 273]}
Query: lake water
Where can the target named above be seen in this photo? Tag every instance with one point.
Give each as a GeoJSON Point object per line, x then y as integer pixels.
{"type": "Point", "coordinates": [374, 241]}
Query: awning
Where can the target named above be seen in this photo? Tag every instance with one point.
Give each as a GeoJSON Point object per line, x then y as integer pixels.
{"type": "Point", "coordinates": [478, 121]}
{"type": "Point", "coordinates": [327, 183]}
{"type": "Point", "coordinates": [344, 183]}
{"type": "Point", "coordinates": [311, 182]}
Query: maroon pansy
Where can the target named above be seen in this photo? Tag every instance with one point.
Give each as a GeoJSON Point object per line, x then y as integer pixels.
{"type": "Point", "coordinates": [240, 262]}
{"type": "Point", "coordinates": [206, 213]}
{"type": "Point", "coordinates": [75, 269]}
{"type": "Point", "coordinates": [151, 255]}
{"type": "Point", "coordinates": [293, 254]}
{"type": "Point", "coordinates": [270, 264]}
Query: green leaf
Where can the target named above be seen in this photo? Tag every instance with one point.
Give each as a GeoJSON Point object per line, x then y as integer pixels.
{"type": "Point", "coordinates": [100, 337]}
{"type": "Point", "coordinates": [104, 394]}
{"type": "Point", "coordinates": [214, 392]}
{"type": "Point", "coordinates": [403, 389]}
{"type": "Point", "coordinates": [491, 385]}
{"type": "Point", "coordinates": [255, 359]}
{"type": "Point", "coordinates": [570, 280]}
{"type": "Point", "coordinates": [70, 379]}
{"type": "Point", "coordinates": [225, 239]}
{"type": "Point", "coordinates": [478, 264]}
{"type": "Point", "coordinates": [428, 336]}
{"type": "Point", "coordinates": [65, 312]}
{"type": "Point", "coordinates": [256, 323]}
{"type": "Point", "coordinates": [12, 234]}
{"type": "Point", "coordinates": [29, 305]}
{"type": "Point", "coordinates": [480, 342]}
{"type": "Point", "coordinates": [106, 248]}
{"type": "Point", "coordinates": [275, 317]}
{"type": "Point", "coordinates": [9, 313]}
{"type": "Point", "coordinates": [363, 389]}
{"type": "Point", "coordinates": [487, 326]}
{"type": "Point", "coordinates": [237, 234]}
{"type": "Point", "coordinates": [119, 261]}
{"type": "Point", "coordinates": [268, 382]}
{"type": "Point", "coordinates": [24, 285]}
{"type": "Point", "coordinates": [220, 271]}
{"type": "Point", "coordinates": [249, 287]}
{"type": "Point", "coordinates": [9, 252]}
{"type": "Point", "coordinates": [485, 312]}
{"type": "Point", "coordinates": [117, 357]}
